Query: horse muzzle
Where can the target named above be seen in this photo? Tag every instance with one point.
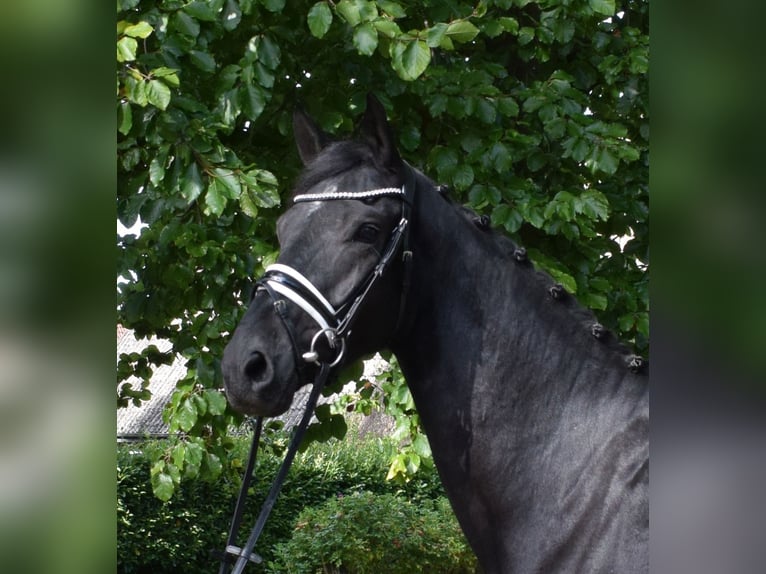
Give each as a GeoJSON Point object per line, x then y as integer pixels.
{"type": "Point", "coordinates": [258, 382]}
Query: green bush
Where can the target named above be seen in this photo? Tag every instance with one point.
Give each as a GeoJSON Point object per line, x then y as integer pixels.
{"type": "Point", "coordinates": [163, 537]}
{"type": "Point", "coordinates": [368, 533]}
{"type": "Point", "coordinates": [182, 534]}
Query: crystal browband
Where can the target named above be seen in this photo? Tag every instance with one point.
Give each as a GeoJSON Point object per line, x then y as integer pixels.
{"type": "Point", "coordinates": [382, 192]}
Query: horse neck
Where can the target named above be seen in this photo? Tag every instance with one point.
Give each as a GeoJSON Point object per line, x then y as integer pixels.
{"type": "Point", "coordinates": [484, 331]}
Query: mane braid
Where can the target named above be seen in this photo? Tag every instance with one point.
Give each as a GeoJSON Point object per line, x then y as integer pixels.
{"type": "Point", "coordinates": [568, 304]}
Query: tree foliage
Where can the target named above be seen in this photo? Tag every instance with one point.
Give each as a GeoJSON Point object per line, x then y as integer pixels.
{"type": "Point", "coordinates": [535, 113]}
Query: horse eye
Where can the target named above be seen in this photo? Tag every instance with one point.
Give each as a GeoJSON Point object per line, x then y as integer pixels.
{"type": "Point", "coordinates": [367, 233]}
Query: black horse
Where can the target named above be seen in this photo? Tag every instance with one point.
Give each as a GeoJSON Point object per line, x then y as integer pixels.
{"type": "Point", "coordinates": [537, 417]}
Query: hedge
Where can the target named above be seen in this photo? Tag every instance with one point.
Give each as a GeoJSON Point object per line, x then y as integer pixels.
{"type": "Point", "coordinates": [184, 533]}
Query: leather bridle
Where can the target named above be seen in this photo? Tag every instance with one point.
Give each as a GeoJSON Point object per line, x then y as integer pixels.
{"type": "Point", "coordinates": [286, 284]}
{"type": "Point", "coordinates": [283, 282]}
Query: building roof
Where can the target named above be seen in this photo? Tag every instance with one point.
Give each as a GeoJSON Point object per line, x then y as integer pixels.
{"type": "Point", "coordinates": [146, 419]}
{"type": "Point", "coordinates": [137, 422]}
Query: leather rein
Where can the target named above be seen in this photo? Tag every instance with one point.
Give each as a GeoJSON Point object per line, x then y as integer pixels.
{"type": "Point", "coordinates": [285, 284]}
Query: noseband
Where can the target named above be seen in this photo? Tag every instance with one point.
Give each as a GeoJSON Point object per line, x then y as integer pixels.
{"type": "Point", "coordinates": [284, 283]}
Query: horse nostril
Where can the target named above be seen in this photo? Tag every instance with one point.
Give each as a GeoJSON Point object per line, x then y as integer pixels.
{"type": "Point", "coordinates": [258, 369]}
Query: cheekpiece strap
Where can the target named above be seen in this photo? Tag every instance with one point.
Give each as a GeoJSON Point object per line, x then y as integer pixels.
{"type": "Point", "coordinates": [371, 194]}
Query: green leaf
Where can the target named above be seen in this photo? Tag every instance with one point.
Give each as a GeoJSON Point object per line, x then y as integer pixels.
{"type": "Point", "coordinates": [485, 111]}
{"type": "Point", "coordinates": [537, 160]}
{"type": "Point", "coordinates": [140, 30]}
{"type": "Point", "coordinates": [193, 458]}
{"type": "Point", "coordinates": [500, 157]}
{"type": "Point", "coordinates": [319, 19]}
{"type": "Point", "coordinates": [443, 158]}
{"type": "Point", "coordinates": [603, 160]}
{"type": "Point", "coordinates": [605, 7]}
{"type": "Point", "coordinates": [435, 34]}
{"type": "Point", "coordinates": [596, 301]}
{"type": "Point", "coordinates": [124, 118]}
{"type": "Point", "coordinates": [642, 323]}
{"type": "Point", "coordinates": [388, 28]}
{"type": "Point", "coordinates": [157, 168]}
{"type": "Point", "coordinates": [421, 447]}
{"type": "Point", "coordinates": [158, 94]}
{"type": "Point", "coordinates": [368, 11]}
{"type": "Point", "coordinates": [200, 404]}
{"type": "Point", "coordinates": [168, 75]}
{"type": "Point", "coordinates": [192, 183]}
{"type": "Point", "coordinates": [269, 53]}
{"type": "Point", "coordinates": [205, 10]}
{"type": "Point", "coordinates": [186, 415]}
{"type": "Point", "coordinates": [392, 8]}
{"type": "Point", "coordinates": [409, 136]}
{"type": "Point", "coordinates": [264, 77]}
{"type": "Point", "coordinates": [462, 31]}
{"type": "Point", "coordinates": [215, 198]}
{"type": "Point", "coordinates": [203, 60]}
{"type": "Point", "coordinates": [580, 150]}
{"type": "Point", "coordinates": [216, 401]}
{"type": "Point", "coordinates": [526, 35]}
{"type": "Point", "coordinates": [366, 39]}
{"type": "Point", "coordinates": [229, 180]}
{"type": "Point", "coordinates": [274, 6]}
{"type": "Point", "coordinates": [211, 466]}
{"type": "Point", "coordinates": [594, 204]}
{"type": "Point", "coordinates": [126, 49]}
{"type": "Point", "coordinates": [511, 25]}
{"type": "Point", "coordinates": [566, 280]}
{"type": "Point", "coordinates": [248, 204]}
{"type": "Point", "coordinates": [337, 426]}
{"type": "Point", "coordinates": [626, 322]}
{"type": "Point", "coordinates": [415, 59]}
{"type": "Point", "coordinates": [163, 486]}
{"type": "Point", "coordinates": [463, 177]}
{"type": "Point", "coordinates": [186, 25]}
{"type": "Point", "coordinates": [253, 100]}
{"type": "Point", "coordinates": [564, 31]}
{"type": "Point", "coordinates": [514, 222]}
{"type": "Point", "coordinates": [508, 107]}
{"type": "Point", "coordinates": [397, 467]}
{"type": "Point", "coordinates": [179, 454]}
{"type": "Point", "coordinates": [232, 15]}
{"type": "Point", "coordinates": [492, 28]}
{"type": "Point", "coordinates": [349, 11]}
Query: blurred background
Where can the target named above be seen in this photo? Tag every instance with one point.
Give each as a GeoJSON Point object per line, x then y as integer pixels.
{"type": "Point", "coordinates": [57, 189]}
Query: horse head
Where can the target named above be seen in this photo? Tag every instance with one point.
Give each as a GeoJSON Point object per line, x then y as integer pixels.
{"type": "Point", "coordinates": [339, 242]}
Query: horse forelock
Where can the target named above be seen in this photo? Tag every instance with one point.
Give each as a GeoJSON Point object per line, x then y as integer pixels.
{"type": "Point", "coordinates": [336, 159]}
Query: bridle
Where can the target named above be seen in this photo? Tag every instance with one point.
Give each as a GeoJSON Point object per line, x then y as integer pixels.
{"type": "Point", "coordinates": [286, 284]}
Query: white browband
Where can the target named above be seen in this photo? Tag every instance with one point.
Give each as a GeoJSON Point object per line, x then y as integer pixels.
{"type": "Point", "coordinates": [382, 192]}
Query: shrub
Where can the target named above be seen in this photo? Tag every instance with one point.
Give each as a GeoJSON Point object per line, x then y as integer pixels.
{"type": "Point", "coordinates": [367, 533]}
{"type": "Point", "coordinates": [182, 534]}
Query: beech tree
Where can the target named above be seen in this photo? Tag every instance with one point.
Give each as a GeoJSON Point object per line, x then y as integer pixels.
{"type": "Point", "coordinates": [535, 113]}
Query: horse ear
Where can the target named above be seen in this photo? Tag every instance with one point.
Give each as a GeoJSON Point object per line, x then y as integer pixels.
{"type": "Point", "coordinates": [309, 137]}
{"type": "Point", "coordinates": [375, 130]}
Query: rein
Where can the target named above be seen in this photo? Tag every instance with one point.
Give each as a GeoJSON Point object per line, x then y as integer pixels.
{"type": "Point", "coordinates": [282, 280]}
